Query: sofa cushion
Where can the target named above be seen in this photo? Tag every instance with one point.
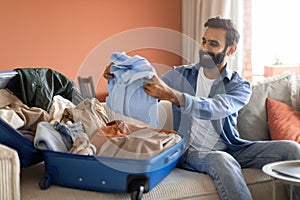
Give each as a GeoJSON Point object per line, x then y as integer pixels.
{"type": "Point", "coordinates": [252, 120]}
{"type": "Point", "coordinates": [179, 184]}
{"type": "Point", "coordinates": [283, 121]}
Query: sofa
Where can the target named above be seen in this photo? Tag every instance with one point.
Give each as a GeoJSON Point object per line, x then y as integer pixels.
{"type": "Point", "coordinates": [16, 183]}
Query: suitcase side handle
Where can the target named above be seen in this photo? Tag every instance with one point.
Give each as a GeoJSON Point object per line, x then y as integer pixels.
{"type": "Point", "coordinates": [171, 158]}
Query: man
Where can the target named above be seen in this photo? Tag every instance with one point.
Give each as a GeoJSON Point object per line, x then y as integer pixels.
{"type": "Point", "coordinates": [206, 98]}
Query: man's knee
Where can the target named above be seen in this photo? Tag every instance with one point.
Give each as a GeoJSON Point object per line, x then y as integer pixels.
{"type": "Point", "coordinates": [295, 150]}
{"type": "Point", "coordinates": [220, 160]}
{"type": "Point", "coordinates": [291, 149]}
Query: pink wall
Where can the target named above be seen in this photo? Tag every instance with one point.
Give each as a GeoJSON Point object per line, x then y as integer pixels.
{"type": "Point", "coordinates": [62, 34]}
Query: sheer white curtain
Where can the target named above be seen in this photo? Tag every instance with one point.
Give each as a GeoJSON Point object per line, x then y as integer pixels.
{"type": "Point", "coordinates": [195, 13]}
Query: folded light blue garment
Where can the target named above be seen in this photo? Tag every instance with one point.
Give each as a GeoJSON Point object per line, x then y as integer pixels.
{"type": "Point", "coordinates": [47, 138]}
{"type": "Point", "coordinates": [125, 91]}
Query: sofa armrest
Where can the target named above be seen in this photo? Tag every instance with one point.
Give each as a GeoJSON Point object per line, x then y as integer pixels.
{"type": "Point", "coordinates": [10, 174]}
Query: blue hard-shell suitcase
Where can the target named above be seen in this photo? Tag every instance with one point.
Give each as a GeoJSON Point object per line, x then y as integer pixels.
{"type": "Point", "coordinates": [9, 136]}
{"type": "Point", "coordinates": [108, 174]}
{"type": "Point", "coordinates": [28, 155]}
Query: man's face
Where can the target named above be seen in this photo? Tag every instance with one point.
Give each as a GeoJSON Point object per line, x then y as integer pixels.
{"type": "Point", "coordinates": [214, 40]}
{"type": "Point", "coordinates": [213, 48]}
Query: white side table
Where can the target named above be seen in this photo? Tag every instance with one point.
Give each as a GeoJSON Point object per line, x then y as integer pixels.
{"type": "Point", "coordinates": [268, 169]}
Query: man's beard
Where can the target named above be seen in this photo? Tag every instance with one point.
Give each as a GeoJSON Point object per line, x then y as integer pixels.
{"type": "Point", "coordinates": [209, 59]}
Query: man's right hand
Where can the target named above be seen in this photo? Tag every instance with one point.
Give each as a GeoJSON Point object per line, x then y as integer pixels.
{"type": "Point", "coordinates": [159, 90]}
{"type": "Point", "coordinates": [107, 73]}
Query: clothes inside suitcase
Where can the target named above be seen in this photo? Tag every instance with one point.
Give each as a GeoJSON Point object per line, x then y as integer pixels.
{"type": "Point", "coordinates": [11, 137]}
{"type": "Point", "coordinates": [109, 174]}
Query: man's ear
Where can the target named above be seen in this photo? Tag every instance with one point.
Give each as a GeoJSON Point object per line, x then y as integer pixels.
{"type": "Point", "coordinates": [231, 50]}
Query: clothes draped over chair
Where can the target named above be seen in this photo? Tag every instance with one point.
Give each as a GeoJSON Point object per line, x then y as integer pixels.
{"type": "Point", "coordinates": [125, 91]}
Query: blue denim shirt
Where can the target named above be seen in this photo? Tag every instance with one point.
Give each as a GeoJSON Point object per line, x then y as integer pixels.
{"type": "Point", "coordinates": [228, 94]}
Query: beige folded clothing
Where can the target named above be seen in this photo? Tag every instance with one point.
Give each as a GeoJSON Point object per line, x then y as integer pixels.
{"type": "Point", "coordinates": [120, 139]}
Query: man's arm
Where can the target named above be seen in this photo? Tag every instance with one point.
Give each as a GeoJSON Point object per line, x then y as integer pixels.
{"type": "Point", "coordinates": [156, 88]}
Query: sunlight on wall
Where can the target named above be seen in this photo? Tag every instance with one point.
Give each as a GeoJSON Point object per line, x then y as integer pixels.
{"type": "Point", "coordinates": [276, 33]}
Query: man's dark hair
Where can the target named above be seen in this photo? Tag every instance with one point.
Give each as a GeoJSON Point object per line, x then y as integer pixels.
{"type": "Point", "coordinates": [232, 35]}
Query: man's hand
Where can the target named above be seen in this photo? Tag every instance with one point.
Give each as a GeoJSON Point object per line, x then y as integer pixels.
{"type": "Point", "coordinates": [158, 89]}
{"type": "Point", "coordinates": [107, 73]}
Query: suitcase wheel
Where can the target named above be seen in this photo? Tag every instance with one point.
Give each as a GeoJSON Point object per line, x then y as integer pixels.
{"type": "Point", "coordinates": [44, 182]}
{"type": "Point", "coordinates": [137, 185]}
{"type": "Point", "coordinates": [138, 195]}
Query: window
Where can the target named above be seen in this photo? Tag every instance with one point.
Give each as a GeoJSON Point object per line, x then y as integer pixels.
{"type": "Point", "coordinates": [275, 33]}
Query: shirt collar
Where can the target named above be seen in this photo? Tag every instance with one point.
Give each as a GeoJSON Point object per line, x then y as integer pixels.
{"type": "Point", "coordinates": [225, 73]}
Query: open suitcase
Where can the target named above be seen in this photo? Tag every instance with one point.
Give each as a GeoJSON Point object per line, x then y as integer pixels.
{"type": "Point", "coordinates": [108, 174]}
{"type": "Point", "coordinates": [11, 137]}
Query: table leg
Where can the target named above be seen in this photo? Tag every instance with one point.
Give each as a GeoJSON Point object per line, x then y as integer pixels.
{"type": "Point", "coordinates": [274, 189]}
{"type": "Point", "coordinates": [291, 191]}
